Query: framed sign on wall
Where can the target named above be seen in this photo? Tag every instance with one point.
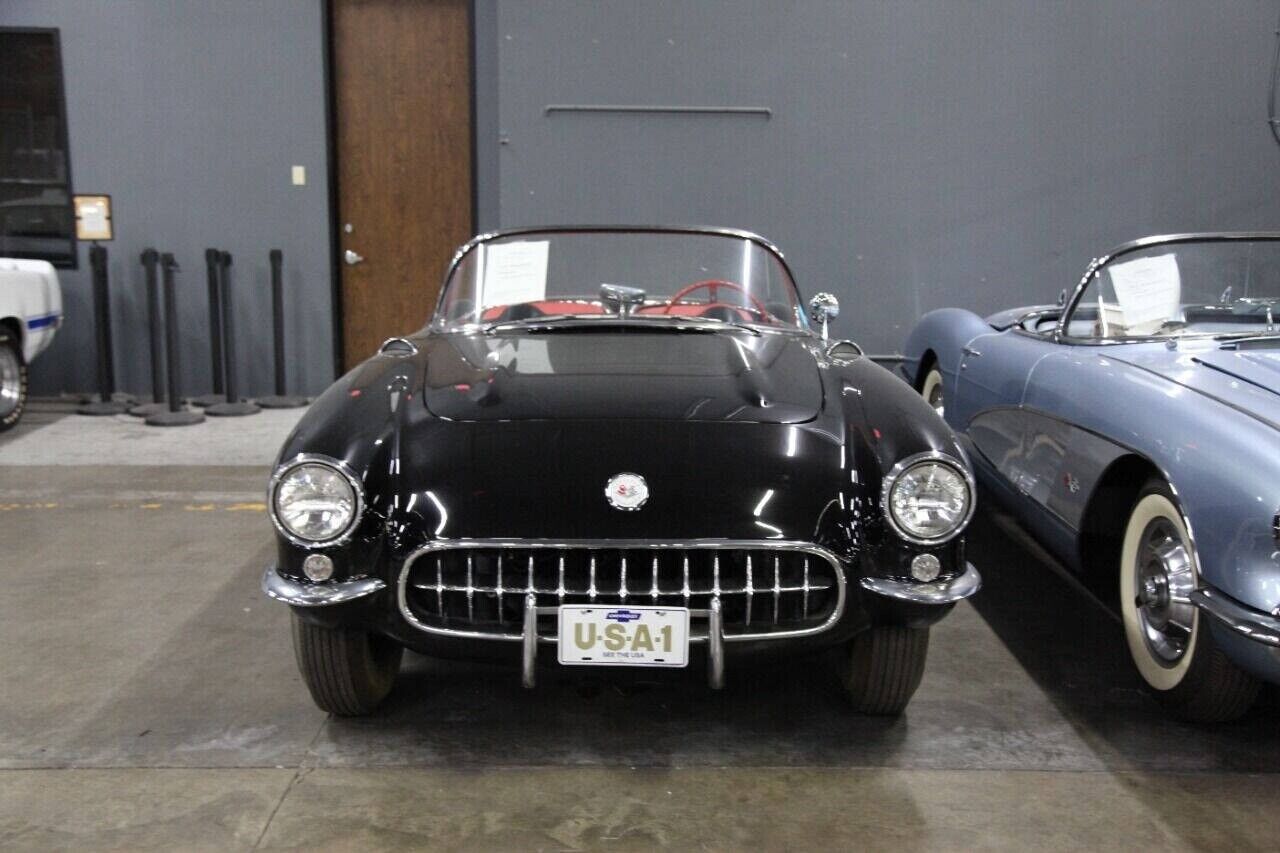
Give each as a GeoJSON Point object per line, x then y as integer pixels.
{"type": "Point", "coordinates": [93, 217]}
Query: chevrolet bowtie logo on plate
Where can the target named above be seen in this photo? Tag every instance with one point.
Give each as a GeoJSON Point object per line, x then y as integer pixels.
{"type": "Point", "coordinates": [623, 616]}
{"type": "Point", "coordinates": [626, 491]}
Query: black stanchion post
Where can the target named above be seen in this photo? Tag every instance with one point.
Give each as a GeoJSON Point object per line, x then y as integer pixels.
{"type": "Point", "coordinates": [175, 414]}
{"type": "Point", "coordinates": [155, 324]}
{"type": "Point", "coordinates": [234, 405]}
{"type": "Point", "coordinates": [213, 270]}
{"type": "Point", "coordinates": [106, 404]}
{"type": "Point", "coordinates": [279, 400]}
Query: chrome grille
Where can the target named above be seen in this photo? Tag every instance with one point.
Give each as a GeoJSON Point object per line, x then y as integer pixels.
{"type": "Point", "coordinates": [480, 589]}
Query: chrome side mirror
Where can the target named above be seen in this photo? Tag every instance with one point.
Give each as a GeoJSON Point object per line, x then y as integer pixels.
{"type": "Point", "coordinates": [823, 308]}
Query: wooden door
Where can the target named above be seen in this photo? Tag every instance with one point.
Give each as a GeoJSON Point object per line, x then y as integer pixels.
{"type": "Point", "coordinates": [402, 99]}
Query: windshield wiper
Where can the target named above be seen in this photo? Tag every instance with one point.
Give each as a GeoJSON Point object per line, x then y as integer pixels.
{"type": "Point", "coordinates": [635, 320]}
{"type": "Point", "coordinates": [529, 321]}
{"type": "Point", "coordinates": [1248, 340]}
{"type": "Point", "coordinates": [707, 321]}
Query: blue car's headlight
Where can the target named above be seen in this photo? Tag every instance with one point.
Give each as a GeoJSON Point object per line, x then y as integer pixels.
{"type": "Point", "coordinates": [928, 498]}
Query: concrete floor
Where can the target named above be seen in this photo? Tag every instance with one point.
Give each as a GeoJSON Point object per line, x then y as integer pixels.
{"type": "Point", "coordinates": [149, 699]}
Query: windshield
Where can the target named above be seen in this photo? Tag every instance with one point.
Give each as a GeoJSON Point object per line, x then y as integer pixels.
{"type": "Point", "coordinates": [641, 276]}
{"type": "Point", "coordinates": [1221, 287]}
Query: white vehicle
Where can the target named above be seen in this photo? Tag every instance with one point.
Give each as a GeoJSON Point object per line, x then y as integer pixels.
{"type": "Point", "coordinates": [30, 315]}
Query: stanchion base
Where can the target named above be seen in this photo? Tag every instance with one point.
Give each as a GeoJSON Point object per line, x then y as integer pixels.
{"type": "Point", "coordinates": [103, 407]}
{"type": "Point", "coordinates": [284, 401]}
{"type": "Point", "coordinates": [232, 410]}
{"type": "Point", "coordinates": [206, 400]}
{"type": "Point", "coordinates": [182, 417]}
{"type": "Point", "coordinates": [118, 397]}
{"type": "Point", "coordinates": [146, 410]}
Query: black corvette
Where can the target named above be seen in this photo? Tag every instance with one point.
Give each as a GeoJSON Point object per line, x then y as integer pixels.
{"type": "Point", "coordinates": [619, 447]}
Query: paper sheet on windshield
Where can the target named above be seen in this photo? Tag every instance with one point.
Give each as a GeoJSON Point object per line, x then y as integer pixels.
{"type": "Point", "coordinates": [515, 273]}
{"type": "Point", "coordinates": [1149, 291]}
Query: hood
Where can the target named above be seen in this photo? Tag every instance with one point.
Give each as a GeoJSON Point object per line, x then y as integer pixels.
{"type": "Point", "coordinates": [1245, 379]}
{"type": "Point", "coordinates": [623, 374]}
{"type": "Point", "coordinates": [547, 479]}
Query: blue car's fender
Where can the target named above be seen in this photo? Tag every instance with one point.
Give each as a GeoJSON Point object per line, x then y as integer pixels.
{"type": "Point", "coordinates": [1213, 456]}
{"type": "Point", "coordinates": [940, 335]}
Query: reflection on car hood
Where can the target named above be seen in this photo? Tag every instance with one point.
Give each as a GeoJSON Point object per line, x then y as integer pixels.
{"type": "Point", "coordinates": [1247, 380]}
{"type": "Point", "coordinates": [622, 375]}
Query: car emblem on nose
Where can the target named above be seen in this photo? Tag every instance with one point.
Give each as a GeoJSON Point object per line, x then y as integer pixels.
{"type": "Point", "coordinates": [626, 491]}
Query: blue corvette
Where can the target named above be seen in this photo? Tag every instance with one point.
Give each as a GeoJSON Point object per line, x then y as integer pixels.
{"type": "Point", "coordinates": [1134, 428]}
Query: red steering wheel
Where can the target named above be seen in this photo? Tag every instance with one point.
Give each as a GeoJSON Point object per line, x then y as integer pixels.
{"type": "Point", "coordinates": [712, 285]}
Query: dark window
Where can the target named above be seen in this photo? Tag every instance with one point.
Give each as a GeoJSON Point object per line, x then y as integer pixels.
{"type": "Point", "coordinates": [36, 220]}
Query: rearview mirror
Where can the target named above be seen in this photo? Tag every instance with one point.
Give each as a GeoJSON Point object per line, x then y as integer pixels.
{"type": "Point", "coordinates": [823, 308]}
{"type": "Point", "coordinates": [621, 298]}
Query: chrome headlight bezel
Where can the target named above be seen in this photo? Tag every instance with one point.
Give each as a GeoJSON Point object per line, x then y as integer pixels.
{"type": "Point", "coordinates": [904, 465]}
{"type": "Point", "coordinates": [284, 469]}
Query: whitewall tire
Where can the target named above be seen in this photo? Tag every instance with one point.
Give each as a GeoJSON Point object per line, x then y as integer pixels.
{"type": "Point", "coordinates": [931, 390]}
{"type": "Point", "coordinates": [1169, 639]}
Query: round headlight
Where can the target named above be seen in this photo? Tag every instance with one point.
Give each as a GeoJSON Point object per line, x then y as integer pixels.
{"type": "Point", "coordinates": [314, 501]}
{"type": "Point", "coordinates": [928, 499]}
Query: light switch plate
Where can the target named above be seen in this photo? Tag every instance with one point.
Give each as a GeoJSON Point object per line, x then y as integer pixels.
{"type": "Point", "coordinates": [299, 176]}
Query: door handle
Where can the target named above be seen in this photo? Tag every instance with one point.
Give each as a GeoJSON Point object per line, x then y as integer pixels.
{"type": "Point", "coordinates": [352, 258]}
{"type": "Point", "coordinates": [970, 352]}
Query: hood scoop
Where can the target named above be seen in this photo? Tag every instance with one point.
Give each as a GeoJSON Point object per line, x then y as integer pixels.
{"type": "Point", "coordinates": [628, 375]}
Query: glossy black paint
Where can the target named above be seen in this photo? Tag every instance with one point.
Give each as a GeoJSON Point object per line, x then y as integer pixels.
{"type": "Point", "coordinates": [739, 436]}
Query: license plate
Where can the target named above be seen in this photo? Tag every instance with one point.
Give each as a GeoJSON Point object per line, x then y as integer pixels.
{"type": "Point", "coordinates": [623, 636]}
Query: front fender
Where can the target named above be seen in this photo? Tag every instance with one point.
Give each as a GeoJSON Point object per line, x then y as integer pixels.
{"type": "Point", "coordinates": [944, 333]}
{"type": "Point", "coordinates": [358, 421]}
{"type": "Point", "coordinates": [1210, 453]}
{"type": "Point", "coordinates": [886, 421]}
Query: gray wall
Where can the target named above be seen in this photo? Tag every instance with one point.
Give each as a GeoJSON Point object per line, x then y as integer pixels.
{"type": "Point", "coordinates": [190, 114]}
{"type": "Point", "coordinates": [920, 154]}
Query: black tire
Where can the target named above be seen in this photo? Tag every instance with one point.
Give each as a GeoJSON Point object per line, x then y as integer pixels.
{"type": "Point", "coordinates": [883, 667]}
{"type": "Point", "coordinates": [12, 355]}
{"type": "Point", "coordinates": [348, 672]}
{"type": "Point", "coordinates": [1201, 685]}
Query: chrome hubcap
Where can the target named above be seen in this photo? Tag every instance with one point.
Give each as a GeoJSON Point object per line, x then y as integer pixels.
{"type": "Point", "coordinates": [935, 399]}
{"type": "Point", "coordinates": [1164, 580]}
{"type": "Point", "coordinates": [10, 382]}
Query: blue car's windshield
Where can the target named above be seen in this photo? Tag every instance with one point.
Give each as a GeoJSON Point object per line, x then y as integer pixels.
{"type": "Point", "coordinates": [648, 275]}
{"type": "Point", "coordinates": [1211, 286]}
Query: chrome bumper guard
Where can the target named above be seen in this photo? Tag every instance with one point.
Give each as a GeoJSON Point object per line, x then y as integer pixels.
{"type": "Point", "coordinates": [301, 594]}
{"type": "Point", "coordinates": [1254, 624]}
{"type": "Point", "coordinates": [931, 592]}
{"type": "Point", "coordinates": [529, 641]}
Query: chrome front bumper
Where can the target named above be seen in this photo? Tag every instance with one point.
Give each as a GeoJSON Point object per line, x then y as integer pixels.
{"type": "Point", "coordinates": [933, 592]}
{"type": "Point", "coordinates": [1252, 624]}
{"type": "Point", "coordinates": [301, 594]}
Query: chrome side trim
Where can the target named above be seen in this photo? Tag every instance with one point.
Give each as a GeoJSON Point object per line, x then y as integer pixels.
{"type": "Point", "coordinates": [934, 592]}
{"type": "Point", "coordinates": [1253, 624]}
{"type": "Point", "coordinates": [301, 594]}
{"type": "Point", "coordinates": [402, 582]}
{"type": "Point", "coordinates": [338, 465]}
{"type": "Point", "coordinates": [908, 462]}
